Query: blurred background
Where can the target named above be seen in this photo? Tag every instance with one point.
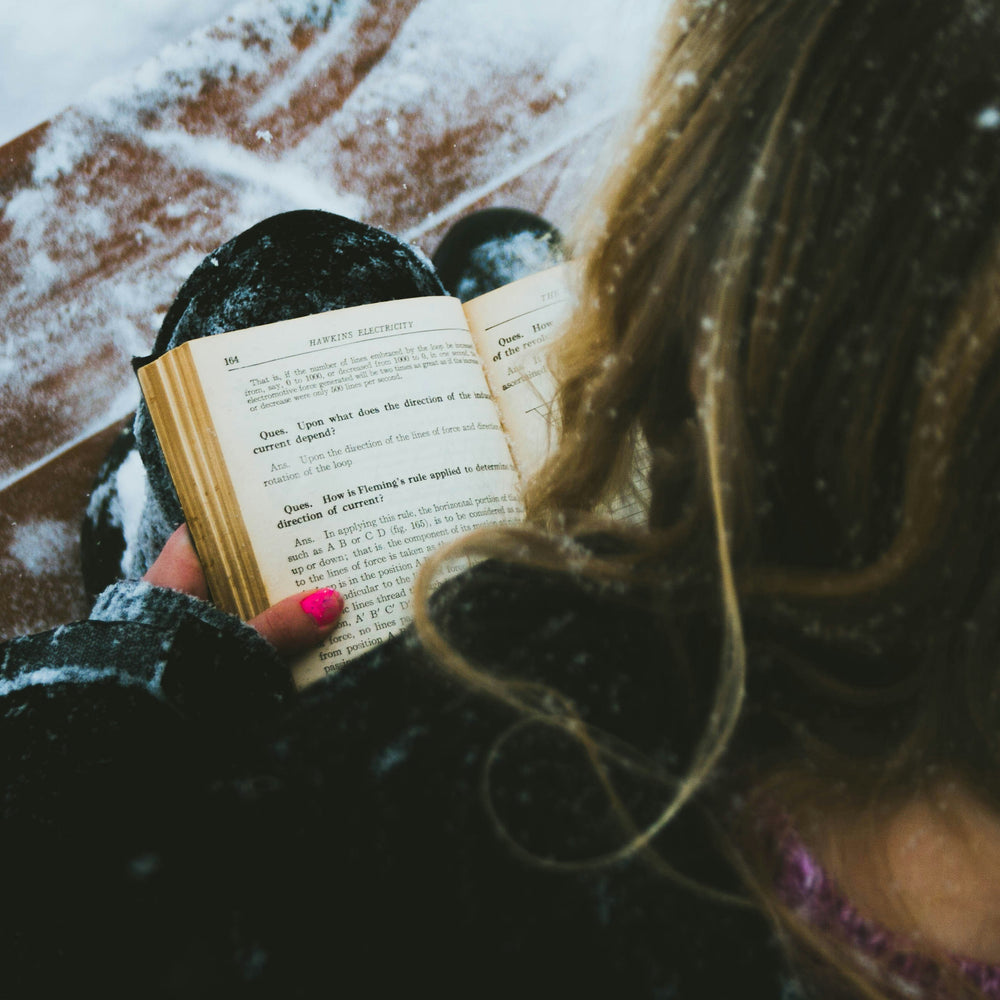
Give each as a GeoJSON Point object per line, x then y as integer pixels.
{"type": "Point", "coordinates": [53, 51]}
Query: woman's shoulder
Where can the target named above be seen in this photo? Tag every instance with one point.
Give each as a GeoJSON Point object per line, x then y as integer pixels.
{"type": "Point", "coordinates": [597, 644]}
{"type": "Point", "coordinates": [474, 836]}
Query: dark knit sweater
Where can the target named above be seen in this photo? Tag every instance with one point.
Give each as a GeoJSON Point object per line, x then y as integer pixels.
{"type": "Point", "coordinates": [177, 822]}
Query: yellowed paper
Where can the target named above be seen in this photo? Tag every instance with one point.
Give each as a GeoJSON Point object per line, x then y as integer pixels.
{"type": "Point", "coordinates": [512, 328]}
{"type": "Point", "coordinates": [357, 442]}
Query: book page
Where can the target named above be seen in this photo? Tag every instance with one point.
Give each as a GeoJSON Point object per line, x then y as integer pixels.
{"type": "Point", "coordinates": [357, 442]}
{"type": "Point", "coordinates": [512, 328]}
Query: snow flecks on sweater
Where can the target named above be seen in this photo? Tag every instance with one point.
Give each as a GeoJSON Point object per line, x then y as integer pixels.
{"type": "Point", "coordinates": [512, 257]}
{"type": "Point", "coordinates": [397, 752]}
{"type": "Point", "coordinates": [47, 676]}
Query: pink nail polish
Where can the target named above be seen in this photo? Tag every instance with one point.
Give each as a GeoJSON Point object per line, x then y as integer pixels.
{"type": "Point", "coordinates": [324, 606]}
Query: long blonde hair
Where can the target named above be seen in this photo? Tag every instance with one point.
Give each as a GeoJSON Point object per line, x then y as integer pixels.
{"type": "Point", "coordinates": [792, 300]}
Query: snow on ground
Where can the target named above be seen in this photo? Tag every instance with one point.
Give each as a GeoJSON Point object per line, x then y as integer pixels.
{"type": "Point", "coordinates": [52, 51]}
{"type": "Point", "coordinates": [464, 94]}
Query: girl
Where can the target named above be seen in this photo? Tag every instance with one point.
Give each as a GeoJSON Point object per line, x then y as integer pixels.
{"type": "Point", "coordinates": [747, 749]}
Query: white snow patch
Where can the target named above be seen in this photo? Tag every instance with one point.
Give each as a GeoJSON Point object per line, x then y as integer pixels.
{"type": "Point", "coordinates": [66, 143]}
{"type": "Point", "coordinates": [51, 51]}
{"type": "Point", "coordinates": [131, 485]}
{"type": "Point", "coordinates": [183, 264]}
{"type": "Point", "coordinates": [45, 676]}
{"type": "Point", "coordinates": [176, 210]}
{"type": "Point", "coordinates": [214, 52]}
{"type": "Point", "coordinates": [43, 547]}
{"type": "Point", "coordinates": [41, 274]}
{"type": "Point", "coordinates": [327, 49]}
{"type": "Point", "coordinates": [267, 189]}
{"type": "Point", "coordinates": [988, 118]}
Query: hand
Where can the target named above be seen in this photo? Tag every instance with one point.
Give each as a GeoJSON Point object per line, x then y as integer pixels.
{"type": "Point", "coordinates": [293, 625]}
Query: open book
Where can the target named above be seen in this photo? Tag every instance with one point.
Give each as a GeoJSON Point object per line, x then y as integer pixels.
{"type": "Point", "coordinates": [341, 448]}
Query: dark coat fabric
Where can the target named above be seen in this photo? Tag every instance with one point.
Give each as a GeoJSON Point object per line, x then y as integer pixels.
{"type": "Point", "coordinates": [178, 822]}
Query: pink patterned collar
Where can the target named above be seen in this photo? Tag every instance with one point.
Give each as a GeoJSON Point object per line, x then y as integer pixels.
{"type": "Point", "coordinates": [813, 895]}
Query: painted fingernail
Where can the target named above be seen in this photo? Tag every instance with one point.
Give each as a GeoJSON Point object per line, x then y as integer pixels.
{"type": "Point", "coordinates": [323, 605]}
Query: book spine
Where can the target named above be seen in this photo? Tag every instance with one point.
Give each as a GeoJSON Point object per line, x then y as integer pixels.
{"type": "Point", "coordinates": [177, 404]}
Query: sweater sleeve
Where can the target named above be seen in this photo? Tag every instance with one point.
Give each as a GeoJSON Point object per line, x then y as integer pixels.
{"type": "Point", "coordinates": [213, 671]}
{"type": "Point", "coordinates": [213, 667]}
{"type": "Point", "coordinates": [113, 732]}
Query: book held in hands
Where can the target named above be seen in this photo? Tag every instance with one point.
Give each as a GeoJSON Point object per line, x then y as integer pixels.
{"type": "Point", "coordinates": [339, 449]}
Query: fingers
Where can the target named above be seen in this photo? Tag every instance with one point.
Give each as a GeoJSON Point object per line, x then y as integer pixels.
{"type": "Point", "coordinates": [299, 623]}
{"type": "Point", "coordinates": [177, 566]}
{"type": "Point", "coordinates": [291, 626]}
